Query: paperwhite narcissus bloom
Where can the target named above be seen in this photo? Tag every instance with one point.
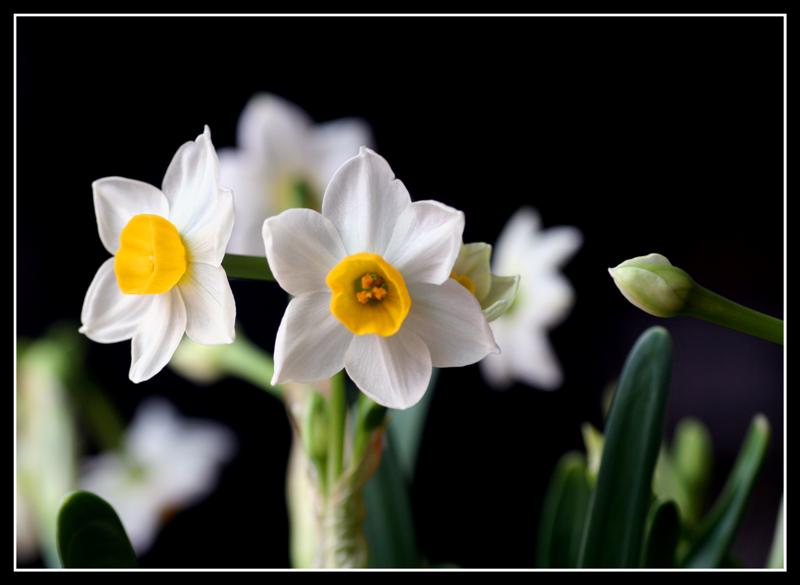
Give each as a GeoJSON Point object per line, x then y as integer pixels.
{"type": "Point", "coordinates": [166, 276]}
{"type": "Point", "coordinates": [283, 161]}
{"type": "Point", "coordinates": [543, 300]}
{"type": "Point", "coordinates": [168, 463]}
{"type": "Point", "coordinates": [372, 290]}
{"type": "Point", "coordinates": [473, 271]}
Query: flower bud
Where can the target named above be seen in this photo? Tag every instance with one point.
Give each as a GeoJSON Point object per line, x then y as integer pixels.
{"type": "Point", "coordinates": [653, 284]}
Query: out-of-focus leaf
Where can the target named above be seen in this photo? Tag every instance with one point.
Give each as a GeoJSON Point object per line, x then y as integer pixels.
{"type": "Point", "coordinates": [91, 535]}
{"type": "Point", "coordinates": [389, 526]}
{"type": "Point", "coordinates": [618, 510]}
{"type": "Point", "coordinates": [406, 427]}
{"type": "Point", "coordinates": [664, 528]}
{"type": "Point", "coordinates": [47, 445]}
{"type": "Point", "coordinates": [775, 560]}
{"type": "Point", "coordinates": [564, 514]}
{"type": "Point", "coordinates": [692, 459]}
{"type": "Point", "coordinates": [718, 529]}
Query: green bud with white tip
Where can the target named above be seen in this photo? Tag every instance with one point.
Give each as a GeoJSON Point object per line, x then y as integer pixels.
{"type": "Point", "coordinates": [657, 287]}
{"type": "Point", "coordinates": [653, 284]}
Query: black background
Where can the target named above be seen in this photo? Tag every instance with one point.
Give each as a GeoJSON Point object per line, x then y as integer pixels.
{"type": "Point", "coordinates": [649, 134]}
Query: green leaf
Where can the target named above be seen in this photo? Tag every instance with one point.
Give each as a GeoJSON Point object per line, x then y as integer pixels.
{"type": "Point", "coordinates": [406, 427]}
{"type": "Point", "coordinates": [91, 535]}
{"type": "Point", "coordinates": [775, 560]}
{"type": "Point", "coordinates": [718, 529]}
{"type": "Point", "coordinates": [388, 525]}
{"type": "Point", "coordinates": [564, 514]}
{"type": "Point", "coordinates": [247, 267]}
{"type": "Point", "coordinates": [619, 506]}
{"type": "Point", "coordinates": [662, 536]}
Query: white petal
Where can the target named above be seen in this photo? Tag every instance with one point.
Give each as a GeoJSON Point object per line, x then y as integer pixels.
{"type": "Point", "coordinates": [334, 142]}
{"type": "Point", "coordinates": [117, 200]}
{"type": "Point", "coordinates": [516, 242]}
{"type": "Point", "coordinates": [544, 299]}
{"type": "Point", "coordinates": [210, 308]}
{"type": "Point", "coordinates": [274, 131]}
{"type": "Point", "coordinates": [311, 343]}
{"type": "Point", "coordinates": [302, 246]}
{"type": "Point", "coordinates": [363, 201]}
{"type": "Point", "coordinates": [191, 183]}
{"type": "Point", "coordinates": [108, 315]}
{"type": "Point", "coordinates": [449, 320]}
{"type": "Point", "coordinates": [527, 356]}
{"type": "Point", "coordinates": [252, 204]}
{"type": "Point", "coordinates": [393, 371]}
{"type": "Point", "coordinates": [158, 335]}
{"type": "Point", "coordinates": [556, 245]}
{"type": "Point", "coordinates": [474, 261]}
{"type": "Point", "coordinates": [426, 242]}
{"type": "Point", "coordinates": [208, 240]}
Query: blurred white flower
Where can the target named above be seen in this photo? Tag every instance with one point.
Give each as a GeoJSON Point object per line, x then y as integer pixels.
{"type": "Point", "coordinates": [372, 291]}
{"type": "Point", "coordinates": [47, 451]}
{"type": "Point", "coordinates": [543, 300]}
{"type": "Point", "coordinates": [168, 463]}
{"type": "Point", "coordinates": [283, 160]}
{"type": "Point", "coordinates": [165, 277]}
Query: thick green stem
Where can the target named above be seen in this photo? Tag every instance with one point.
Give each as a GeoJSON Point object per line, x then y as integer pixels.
{"type": "Point", "coordinates": [337, 411]}
{"type": "Point", "coordinates": [709, 306]}
{"type": "Point", "coordinates": [247, 267]}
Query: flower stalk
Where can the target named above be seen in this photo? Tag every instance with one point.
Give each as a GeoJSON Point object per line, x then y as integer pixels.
{"type": "Point", "coordinates": [654, 285]}
{"type": "Point", "coordinates": [247, 267]}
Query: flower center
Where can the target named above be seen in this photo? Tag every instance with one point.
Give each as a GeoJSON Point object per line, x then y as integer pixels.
{"type": "Point", "coordinates": [464, 281]}
{"type": "Point", "coordinates": [368, 295]}
{"type": "Point", "coordinates": [151, 258]}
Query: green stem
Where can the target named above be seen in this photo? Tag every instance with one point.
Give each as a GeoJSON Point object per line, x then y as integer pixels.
{"type": "Point", "coordinates": [337, 411]}
{"type": "Point", "coordinates": [249, 362]}
{"type": "Point", "coordinates": [369, 414]}
{"type": "Point", "coordinates": [709, 306]}
{"type": "Point", "coordinates": [247, 267]}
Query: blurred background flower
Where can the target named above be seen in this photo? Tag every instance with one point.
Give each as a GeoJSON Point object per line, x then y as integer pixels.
{"type": "Point", "coordinates": [283, 160]}
{"type": "Point", "coordinates": [167, 463]}
{"type": "Point", "coordinates": [543, 300]}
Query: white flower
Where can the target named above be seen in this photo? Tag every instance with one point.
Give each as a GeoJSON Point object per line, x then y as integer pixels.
{"type": "Point", "coordinates": [472, 270]}
{"type": "Point", "coordinates": [168, 463]}
{"type": "Point", "coordinates": [166, 276]}
{"type": "Point", "coordinates": [543, 300]}
{"type": "Point", "coordinates": [372, 287]}
{"type": "Point", "coordinates": [283, 161]}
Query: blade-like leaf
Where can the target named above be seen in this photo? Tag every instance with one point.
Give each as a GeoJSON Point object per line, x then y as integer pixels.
{"type": "Point", "coordinates": [618, 510]}
{"type": "Point", "coordinates": [389, 526]}
{"type": "Point", "coordinates": [564, 514]}
{"type": "Point", "coordinates": [662, 536]}
{"type": "Point", "coordinates": [718, 529]}
{"type": "Point", "coordinates": [406, 427]}
{"type": "Point", "coordinates": [91, 535]}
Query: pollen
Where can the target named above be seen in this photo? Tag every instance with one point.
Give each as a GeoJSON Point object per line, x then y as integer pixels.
{"type": "Point", "coordinates": [373, 288]}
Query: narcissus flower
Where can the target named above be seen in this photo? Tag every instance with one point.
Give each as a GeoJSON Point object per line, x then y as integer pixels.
{"type": "Point", "coordinates": [372, 290]}
{"type": "Point", "coordinates": [473, 271]}
{"type": "Point", "coordinates": [165, 277]}
{"type": "Point", "coordinates": [543, 300]}
{"type": "Point", "coordinates": [168, 463]}
{"type": "Point", "coordinates": [283, 160]}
